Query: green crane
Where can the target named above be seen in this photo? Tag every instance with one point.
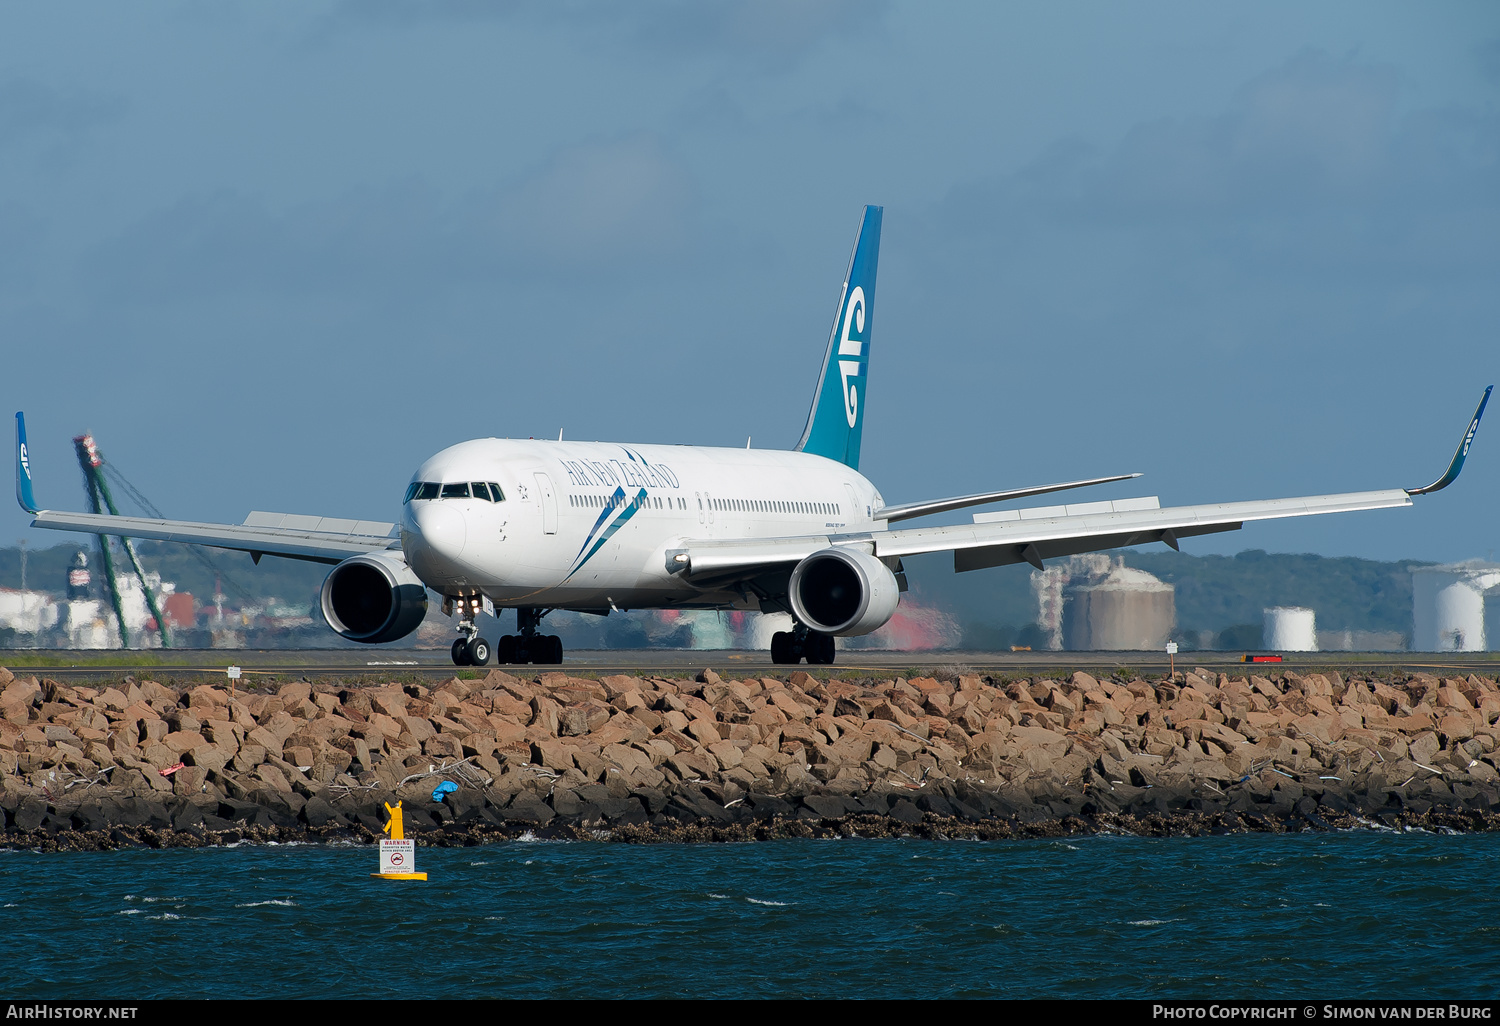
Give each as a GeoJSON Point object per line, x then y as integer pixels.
{"type": "Point", "coordinates": [98, 492]}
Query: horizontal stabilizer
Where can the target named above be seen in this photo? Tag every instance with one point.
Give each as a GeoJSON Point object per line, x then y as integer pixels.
{"type": "Point", "coordinates": [907, 511]}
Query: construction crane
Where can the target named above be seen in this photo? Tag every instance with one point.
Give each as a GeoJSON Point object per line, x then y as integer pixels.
{"type": "Point", "coordinates": [99, 500]}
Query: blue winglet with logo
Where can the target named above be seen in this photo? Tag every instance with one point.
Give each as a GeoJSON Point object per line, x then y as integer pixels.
{"type": "Point", "coordinates": [1459, 456]}
{"type": "Point", "coordinates": [23, 468]}
{"type": "Point", "coordinates": [836, 420]}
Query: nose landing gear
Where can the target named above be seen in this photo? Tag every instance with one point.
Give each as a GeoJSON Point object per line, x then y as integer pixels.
{"type": "Point", "coordinates": [471, 652]}
{"type": "Point", "coordinates": [792, 646]}
{"type": "Point", "coordinates": [471, 649]}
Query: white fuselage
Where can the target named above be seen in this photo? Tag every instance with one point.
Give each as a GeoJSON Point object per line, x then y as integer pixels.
{"type": "Point", "coordinates": [591, 524]}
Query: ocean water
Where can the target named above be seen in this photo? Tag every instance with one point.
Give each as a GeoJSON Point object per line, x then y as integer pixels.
{"type": "Point", "coordinates": [1344, 915]}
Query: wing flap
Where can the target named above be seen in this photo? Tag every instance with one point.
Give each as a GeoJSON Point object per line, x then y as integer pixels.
{"type": "Point", "coordinates": [319, 525]}
{"type": "Point", "coordinates": [1034, 552]}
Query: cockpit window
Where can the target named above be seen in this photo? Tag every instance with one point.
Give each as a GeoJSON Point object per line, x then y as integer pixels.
{"type": "Point", "coordinates": [489, 491]}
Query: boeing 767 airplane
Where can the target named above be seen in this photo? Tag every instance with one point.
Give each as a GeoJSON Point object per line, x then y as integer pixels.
{"type": "Point", "coordinates": [594, 527]}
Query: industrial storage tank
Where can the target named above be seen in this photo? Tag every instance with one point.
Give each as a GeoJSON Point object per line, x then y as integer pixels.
{"type": "Point", "coordinates": [1290, 629]}
{"type": "Point", "coordinates": [1121, 610]}
{"type": "Point", "coordinates": [1447, 605]}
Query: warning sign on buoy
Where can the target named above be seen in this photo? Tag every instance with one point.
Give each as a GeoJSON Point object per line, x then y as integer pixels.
{"type": "Point", "coordinates": [398, 856]}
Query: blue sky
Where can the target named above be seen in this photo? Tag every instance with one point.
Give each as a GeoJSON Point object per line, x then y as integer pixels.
{"type": "Point", "coordinates": [273, 255]}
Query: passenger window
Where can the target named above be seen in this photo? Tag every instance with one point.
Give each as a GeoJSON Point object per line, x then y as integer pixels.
{"type": "Point", "coordinates": [496, 495]}
{"type": "Point", "coordinates": [456, 491]}
{"type": "Point", "coordinates": [429, 490]}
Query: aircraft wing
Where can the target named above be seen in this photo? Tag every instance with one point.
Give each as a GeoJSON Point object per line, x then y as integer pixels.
{"type": "Point", "coordinates": [1032, 535]}
{"type": "Point", "coordinates": [1028, 535]}
{"type": "Point", "coordinates": [316, 539]}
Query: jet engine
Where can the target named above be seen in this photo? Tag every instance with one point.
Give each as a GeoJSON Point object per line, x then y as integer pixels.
{"type": "Point", "coordinates": [843, 592]}
{"type": "Point", "coordinates": [374, 598]}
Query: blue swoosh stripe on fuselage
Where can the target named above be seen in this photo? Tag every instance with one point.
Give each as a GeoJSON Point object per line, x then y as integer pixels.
{"type": "Point", "coordinates": [631, 508]}
{"type": "Point", "coordinates": [610, 508]}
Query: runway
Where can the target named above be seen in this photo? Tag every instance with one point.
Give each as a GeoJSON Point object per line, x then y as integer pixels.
{"type": "Point", "coordinates": [196, 666]}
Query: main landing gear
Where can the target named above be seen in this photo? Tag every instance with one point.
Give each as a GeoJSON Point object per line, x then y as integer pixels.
{"type": "Point", "coordinates": [800, 643]}
{"type": "Point", "coordinates": [530, 646]}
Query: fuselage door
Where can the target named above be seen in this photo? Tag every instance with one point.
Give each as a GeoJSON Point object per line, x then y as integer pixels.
{"type": "Point", "coordinates": [855, 510]}
{"type": "Point", "coordinates": [549, 503]}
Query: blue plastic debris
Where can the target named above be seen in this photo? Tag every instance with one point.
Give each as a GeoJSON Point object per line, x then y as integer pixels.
{"type": "Point", "coordinates": [446, 787]}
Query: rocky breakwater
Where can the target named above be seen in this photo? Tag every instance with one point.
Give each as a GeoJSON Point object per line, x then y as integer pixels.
{"type": "Point", "coordinates": [649, 758]}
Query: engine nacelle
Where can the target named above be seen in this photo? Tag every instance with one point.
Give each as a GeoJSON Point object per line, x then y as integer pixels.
{"type": "Point", "coordinates": [374, 598]}
{"type": "Point", "coordinates": [843, 592]}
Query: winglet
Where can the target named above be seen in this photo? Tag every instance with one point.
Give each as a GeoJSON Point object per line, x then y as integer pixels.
{"type": "Point", "coordinates": [23, 468]}
{"type": "Point", "coordinates": [1459, 456]}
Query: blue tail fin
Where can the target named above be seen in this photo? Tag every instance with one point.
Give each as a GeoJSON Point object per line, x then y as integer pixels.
{"type": "Point", "coordinates": [837, 417]}
{"type": "Point", "coordinates": [23, 468]}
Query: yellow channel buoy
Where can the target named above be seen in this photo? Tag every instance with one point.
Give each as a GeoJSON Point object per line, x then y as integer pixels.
{"type": "Point", "coordinates": [398, 856]}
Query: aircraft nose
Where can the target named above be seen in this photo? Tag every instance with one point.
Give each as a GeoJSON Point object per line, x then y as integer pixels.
{"type": "Point", "coordinates": [440, 535]}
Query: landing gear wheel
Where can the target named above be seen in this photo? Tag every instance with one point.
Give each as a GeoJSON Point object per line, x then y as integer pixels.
{"type": "Point", "coordinates": [553, 647]}
{"type": "Point", "coordinates": [505, 651]}
{"type": "Point", "coordinates": [781, 648]}
{"type": "Point", "coordinates": [478, 652]}
{"type": "Point", "coordinates": [461, 652]}
{"type": "Point", "coordinates": [820, 649]}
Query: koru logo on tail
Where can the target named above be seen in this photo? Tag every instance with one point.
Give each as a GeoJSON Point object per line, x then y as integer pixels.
{"type": "Point", "coordinates": [854, 321]}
